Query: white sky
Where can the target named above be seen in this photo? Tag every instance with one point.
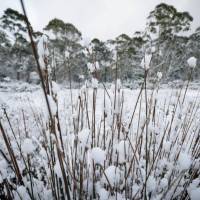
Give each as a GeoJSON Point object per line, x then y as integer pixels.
{"type": "Point", "coordinates": [103, 19]}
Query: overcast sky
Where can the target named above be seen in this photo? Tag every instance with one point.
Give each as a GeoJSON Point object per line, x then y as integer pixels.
{"type": "Point", "coordinates": [103, 19]}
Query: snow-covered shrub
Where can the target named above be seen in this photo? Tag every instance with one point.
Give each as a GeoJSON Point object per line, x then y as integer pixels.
{"type": "Point", "coordinates": [100, 143]}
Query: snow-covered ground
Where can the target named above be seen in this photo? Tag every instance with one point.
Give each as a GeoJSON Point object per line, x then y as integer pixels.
{"type": "Point", "coordinates": [116, 143]}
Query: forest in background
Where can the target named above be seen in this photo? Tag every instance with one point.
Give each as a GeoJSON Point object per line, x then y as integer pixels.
{"type": "Point", "coordinates": [167, 36]}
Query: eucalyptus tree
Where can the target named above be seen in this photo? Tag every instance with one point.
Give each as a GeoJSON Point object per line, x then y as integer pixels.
{"type": "Point", "coordinates": [164, 26]}
{"type": "Point", "coordinates": [14, 26]}
{"type": "Point", "coordinates": [65, 44]}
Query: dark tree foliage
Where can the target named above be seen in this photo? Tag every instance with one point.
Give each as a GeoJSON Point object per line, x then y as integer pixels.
{"type": "Point", "coordinates": [162, 37]}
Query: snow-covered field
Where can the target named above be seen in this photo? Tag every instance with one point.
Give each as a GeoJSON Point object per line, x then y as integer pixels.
{"type": "Point", "coordinates": [110, 149]}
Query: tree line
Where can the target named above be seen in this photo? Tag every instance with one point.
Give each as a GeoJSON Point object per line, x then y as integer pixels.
{"type": "Point", "coordinates": [166, 37]}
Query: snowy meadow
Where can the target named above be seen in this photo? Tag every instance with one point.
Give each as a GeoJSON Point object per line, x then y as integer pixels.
{"type": "Point", "coordinates": [111, 147]}
{"type": "Point", "coordinates": [102, 141]}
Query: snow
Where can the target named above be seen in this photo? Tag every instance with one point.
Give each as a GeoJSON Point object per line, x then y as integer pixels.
{"type": "Point", "coordinates": [50, 34]}
{"type": "Point", "coordinates": [30, 99]}
{"type": "Point", "coordinates": [153, 49]}
{"type": "Point", "coordinates": [184, 161]}
{"type": "Point", "coordinates": [122, 150]}
{"type": "Point", "coordinates": [103, 194]}
{"type": "Point", "coordinates": [146, 61]}
{"type": "Point", "coordinates": [151, 184]}
{"type": "Point", "coordinates": [81, 77]}
{"type": "Point", "coordinates": [94, 83]}
{"type": "Point", "coordinates": [58, 169]}
{"type": "Point", "coordinates": [7, 79]}
{"type": "Point", "coordinates": [192, 61]}
{"type": "Point", "coordinates": [3, 169]}
{"type": "Point", "coordinates": [159, 75]}
{"type": "Point", "coordinates": [55, 88]}
{"type": "Point", "coordinates": [91, 67]}
{"type": "Point", "coordinates": [52, 104]}
{"type": "Point", "coordinates": [42, 63]}
{"type": "Point", "coordinates": [98, 155]}
{"type": "Point", "coordinates": [28, 146]}
{"type": "Point", "coordinates": [194, 189]}
{"type": "Point", "coordinates": [67, 54]}
{"type": "Point", "coordinates": [114, 55]}
{"type": "Point", "coordinates": [164, 183]}
{"type": "Point", "coordinates": [119, 85]}
{"type": "Point", "coordinates": [167, 145]}
{"type": "Point", "coordinates": [195, 194]}
{"type": "Point", "coordinates": [84, 137]}
{"type": "Point", "coordinates": [113, 175]}
{"type": "Point", "coordinates": [34, 77]}
{"type": "Point", "coordinates": [43, 51]}
{"type": "Point", "coordinates": [135, 189]}
{"type": "Point", "coordinates": [97, 65]}
{"type": "Point", "coordinates": [23, 192]}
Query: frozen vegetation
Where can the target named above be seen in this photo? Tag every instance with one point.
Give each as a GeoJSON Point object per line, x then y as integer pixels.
{"type": "Point", "coordinates": [103, 146]}
{"type": "Point", "coordinates": [102, 140]}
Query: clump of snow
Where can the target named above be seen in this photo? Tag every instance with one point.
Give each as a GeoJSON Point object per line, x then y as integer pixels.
{"type": "Point", "coordinates": [194, 189]}
{"type": "Point", "coordinates": [34, 77]}
{"type": "Point", "coordinates": [97, 65]}
{"type": "Point", "coordinates": [91, 67]}
{"type": "Point", "coordinates": [84, 137]}
{"type": "Point", "coordinates": [153, 49]}
{"type": "Point", "coordinates": [1, 179]}
{"type": "Point", "coordinates": [184, 161]}
{"type": "Point", "coordinates": [116, 98]}
{"type": "Point", "coordinates": [81, 77]}
{"type": "Point", "coordinates": [98, 155]}
{"type": "Point", "coordinates": [114, 55]}
{"type": "Point", "coordinates": [135, 189]}
{"type": "Point", "coordinates": [195, 194]}
{"type": "Point", "coordinates": [94, 83]}
{"type": "Point", "coordinates": [7, 79]}
{"type": "Point", "coordinates": [57, 169]}
{"type": "Point", "coordinates": [151, 184]}
{"type": "Point", "coordinates": [42, 63]}
{"type": "Point", "coordinates": [159, 75]}
{"type": "Point", "coordinates": [192, 61]}
{"type": "Point", "coordinates": [164, 183]}
{"type": "Point", "coordinates": [90, 48]}
{"type": "Point", "coordinates": [55, 87]}
{"type": "Point", "coordinates": [43, 51]}
{"type": "Point", "coordinates": [122, 150]}
{"type": "Point", "coordinates": [67, 54]}
{"type": "Point", "coordinates": [23, 192]}
{"type": "Point", "coordinates": [3, 169]}
{"type": "Point", "coordinates": [28, 146]}
{"type": "Point", "coordinates": [103, 194]}
{"type": "Point", "coordinates": [113, 176]}
{"type": "Point", "coordinates": [50, 33]}
{"type": "Point", "coordinates": [114, 66]}
{"type": "Point", "coordinates": [119, 85]}
{"type": "Point", "coordinates": [53, 105]}
{"type": "Point", "coordinates": [167, 145]}
{"type": "Point", "coordinates": [87, 186]}
{"type": "Point", "coordinates": [146, 61]}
